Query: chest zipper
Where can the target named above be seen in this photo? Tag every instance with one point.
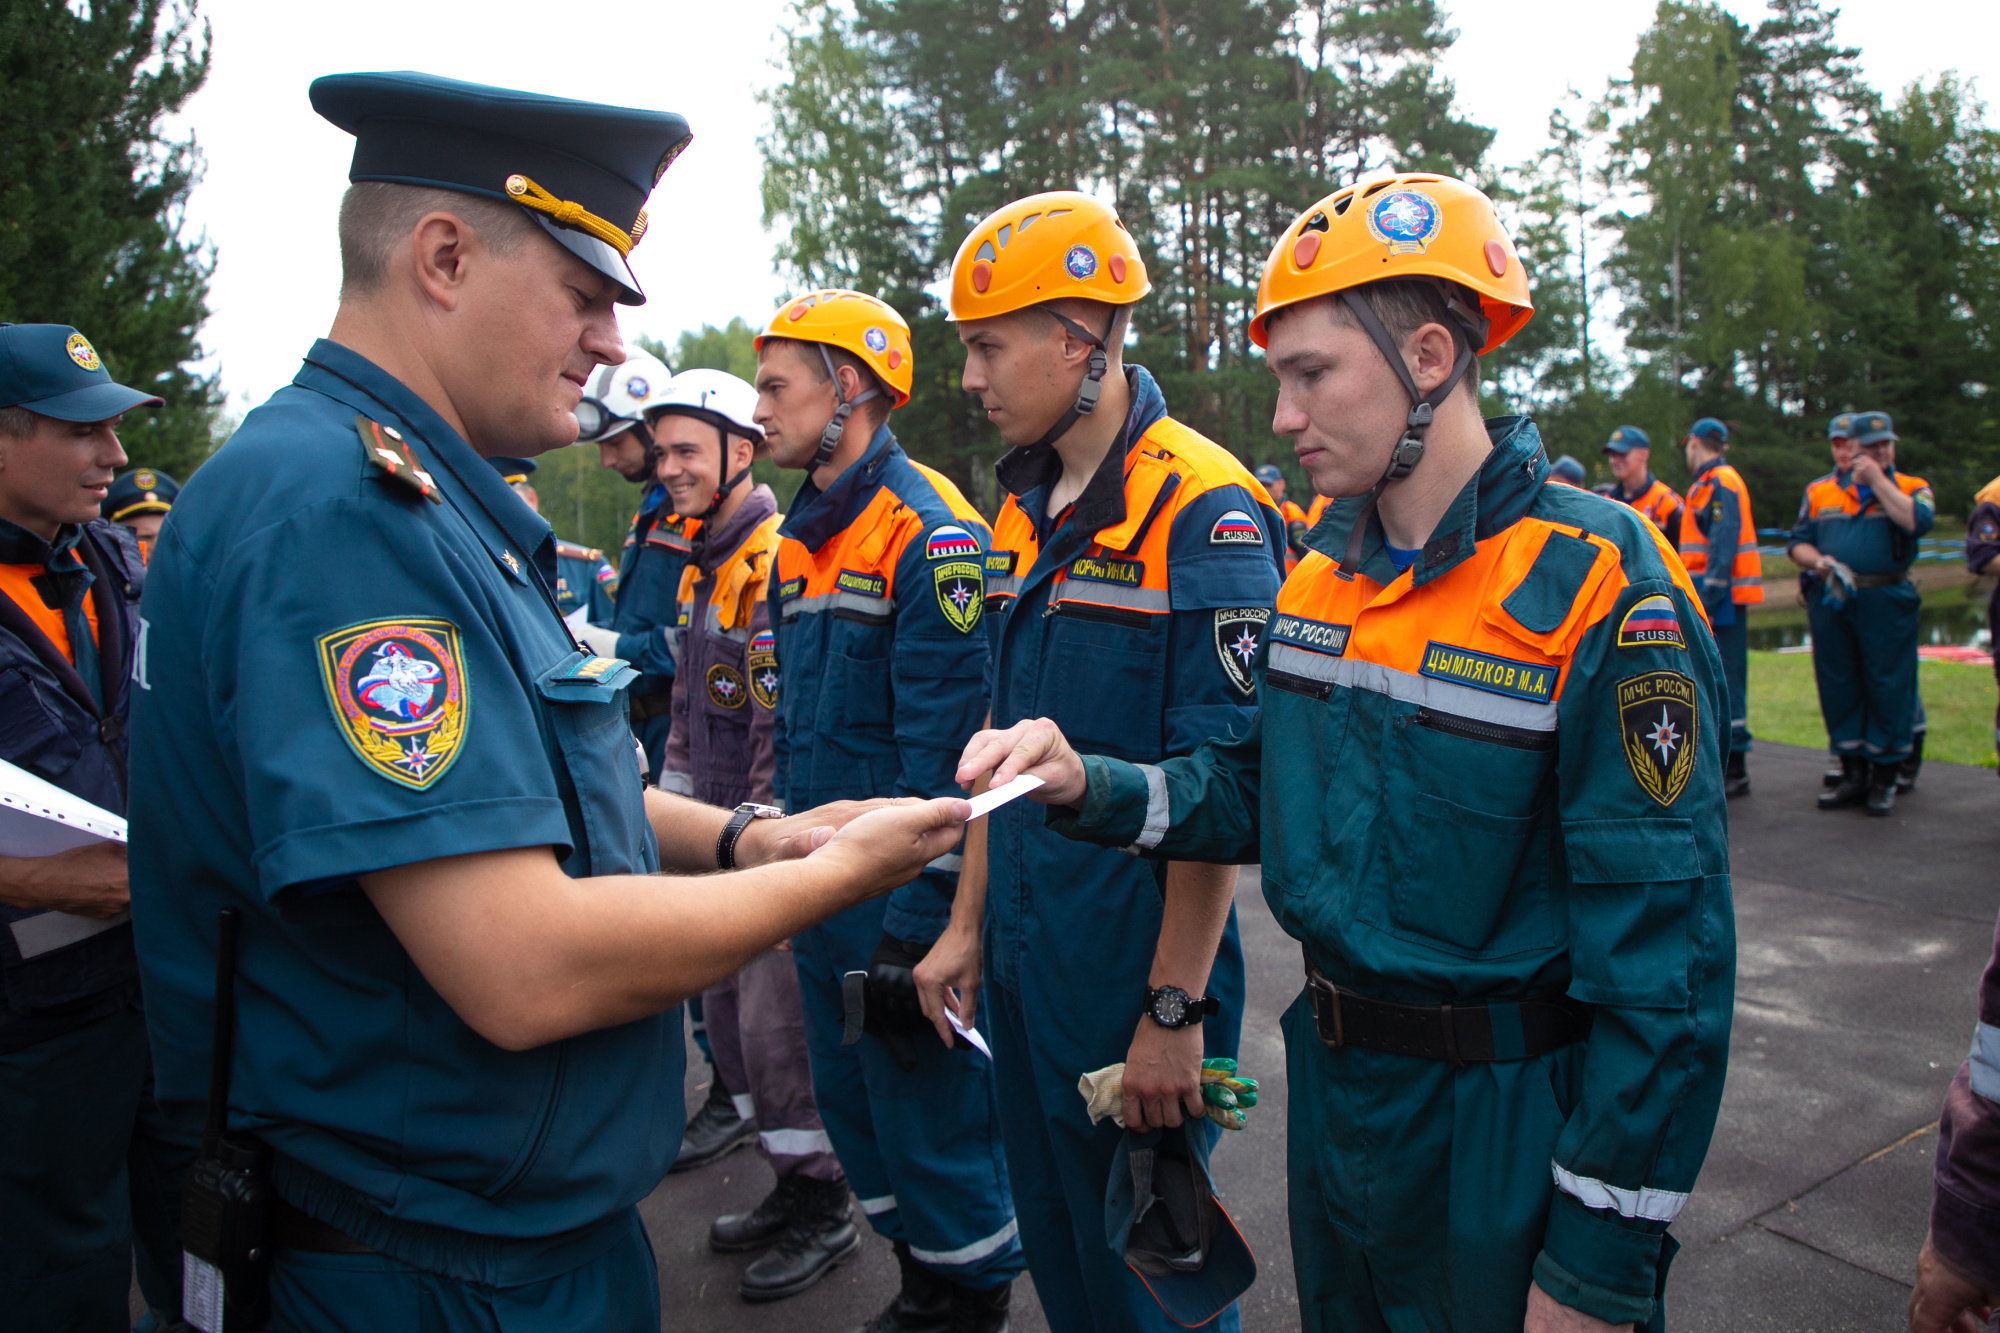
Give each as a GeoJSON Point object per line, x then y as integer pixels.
{"type": "Point", "coordinates": [1493, 733]}
{"type": "Point", "coordinates": [1106, 615]}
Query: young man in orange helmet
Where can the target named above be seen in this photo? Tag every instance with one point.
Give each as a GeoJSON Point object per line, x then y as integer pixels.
{"type": "Point", "coordinates": [876, 598]}
{"type": "Point", "coordinates": [1485, 787]}
{"type": "Point", "coordinates": [1134, 566]}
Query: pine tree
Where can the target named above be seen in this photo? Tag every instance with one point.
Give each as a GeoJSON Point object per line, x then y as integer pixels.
{"type": "Point", "coordinates": [93, 190]}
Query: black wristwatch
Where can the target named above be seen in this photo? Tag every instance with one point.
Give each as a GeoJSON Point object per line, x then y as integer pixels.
{"type": "Point", "coordinates": [1173, 1008]}
{"type": "Point", "coordinates": [725, 841]}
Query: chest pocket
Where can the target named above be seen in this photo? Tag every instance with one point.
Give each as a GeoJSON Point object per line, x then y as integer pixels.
{"type": "Point", "coordinates": [1107, 677]}
{"type": "Point", "coordinates": [588, 718]}
{"type": "Point", "coordinates": [31, 732]}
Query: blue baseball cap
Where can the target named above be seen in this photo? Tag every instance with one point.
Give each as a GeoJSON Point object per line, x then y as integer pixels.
{"type": "Point", "coordinates": [1268, 473]}
{"type": "Point", "coordinates": [53, 370]}
{"type": "Point", "coordinates": [1625, 439]}
{"type": "Point", "coordinates": [1841, 427]}
{"type": "Point", "coordinates": [1873, 428]}
{"type": "Point", "coordinates": [1162, 1218]}
{"type": "Point", "coordinates": [580, 169]}
{"type": "Point", "coordinates": [1567, 469]}
{"type": "Point", "coordinates": [1708, 428]}
{"type": "Point", "coordinates": [513, 470]}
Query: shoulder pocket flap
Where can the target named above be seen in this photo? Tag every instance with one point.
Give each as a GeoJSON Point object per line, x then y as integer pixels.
{"type": "Point", "coordinates": [1632, 851]}
{"type": "Point", "coordinates": [1542, 601]}
{"type": "Point", "coordinates": [584, 678]}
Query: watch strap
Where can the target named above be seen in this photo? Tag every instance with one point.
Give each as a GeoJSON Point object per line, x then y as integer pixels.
{"type": "Point", "coordinates": [725, 841]}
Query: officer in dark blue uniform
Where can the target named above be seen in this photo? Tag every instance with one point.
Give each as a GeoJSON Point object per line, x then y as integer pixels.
{"type": "Point", "coordinates": [138, 502]}
{"type": "Point", "coordinates": [88, 1175]}
{"type": "Point", "coordinates": [584, 581]}
{"type": "Point", "coordinates": [363, 725]}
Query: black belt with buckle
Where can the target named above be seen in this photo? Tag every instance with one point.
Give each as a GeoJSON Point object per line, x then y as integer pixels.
{"type": "Point", "coordinates": [295, 1229]}
{"type": "Point", "coordinates": [1459, 1034]}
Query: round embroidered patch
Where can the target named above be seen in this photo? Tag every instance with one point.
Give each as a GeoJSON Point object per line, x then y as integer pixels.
{"type": "Point", "coordinates": [637, 388]}
{"type": "Point", "coordinates": [81, 352]}
{"type": "Point", "coordinates": [725, 686]}
{"type": "Point", "coordinates": [399, 692]}
{"type": "Point", "coordinates": [878, 341]}
{"type": "Point", "coordinates": [1081, 262]}
{"type": "Point", "coordinates": [1406, 221]}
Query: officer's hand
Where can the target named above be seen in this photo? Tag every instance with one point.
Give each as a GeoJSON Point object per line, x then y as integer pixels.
{"type": "Point", "coordinates": [1162, 1077]}
{"type": "Point", "coordinates": [952, 965]}
{"type": "Point", "coordinates": [87, 881]}
{"type": "Point", "coordinates": [885, 848]}
{"type": "Point", "coordinates": [1944, 1302]}
{"type": "Point", "coordinates": [1548, 1315]}
{"type": "Point", "coordinates": [766, 840]}
{"type": "Point", "coordinates": [1035, 747]}
{"type": "Point", "coordinates": [1867, 472]}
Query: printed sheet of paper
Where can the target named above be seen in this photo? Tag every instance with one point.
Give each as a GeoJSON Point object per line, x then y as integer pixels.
{"type": "Point", "coordinates": [988, 801]}
{"type": "Point", "coordinates": [38, 818]}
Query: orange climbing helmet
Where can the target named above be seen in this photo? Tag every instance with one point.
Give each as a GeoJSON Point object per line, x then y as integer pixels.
{"type": "Point", "coordinates": [854, 322]}
{"type": "Point", "coordinates": [1413, 225]}
{"type": "Point", "coordinates": [1045, 248]}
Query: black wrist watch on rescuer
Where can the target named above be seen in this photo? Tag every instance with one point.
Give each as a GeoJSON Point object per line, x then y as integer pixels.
{"type": "Point", "coordinates": [725, 841]}
{"type": "Point", "coordinates": [1173, 1008]}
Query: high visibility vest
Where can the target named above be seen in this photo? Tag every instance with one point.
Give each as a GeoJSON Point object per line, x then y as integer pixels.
{"type": "Point", "coordinates": [1746, 574]}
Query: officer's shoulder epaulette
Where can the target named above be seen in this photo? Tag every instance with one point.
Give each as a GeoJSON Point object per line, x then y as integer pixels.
{"type": "Point", "coordinates": [389, 454]}
{"type": "Point", "coordinates": [575, 551]}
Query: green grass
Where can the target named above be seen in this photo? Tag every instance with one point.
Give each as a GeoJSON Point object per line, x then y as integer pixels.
{"type": "Point", "coordinates": [1784, 706]}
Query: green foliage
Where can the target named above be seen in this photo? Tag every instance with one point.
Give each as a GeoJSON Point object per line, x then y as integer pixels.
{"type": "Point", "coordinates": [92, 197]}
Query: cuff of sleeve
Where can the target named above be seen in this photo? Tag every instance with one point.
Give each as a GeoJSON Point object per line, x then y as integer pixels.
{"type": "Point", "coordinates": [680, 784]}
{"type": "Point", "coordinates": [1115, 798]}
{"type": "Point", "coordinates": [1967, 1237]}
{"type": "Point", "coordinates": [1592, 1264]}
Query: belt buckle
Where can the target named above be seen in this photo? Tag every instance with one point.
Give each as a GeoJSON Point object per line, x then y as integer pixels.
{"type": "Point", "coordinates": [1326, 999]}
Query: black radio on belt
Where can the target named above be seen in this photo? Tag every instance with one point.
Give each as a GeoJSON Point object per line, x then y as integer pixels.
{"type": "Point", "coordinates": [226, 1205]}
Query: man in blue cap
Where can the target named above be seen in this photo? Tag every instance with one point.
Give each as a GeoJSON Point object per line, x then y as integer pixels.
{"type": "Point", "coordinates": [87, 1181]}
{"type": "Point", "coordinates": [1629, 452]}
{"type": "Point", "coordinates": [1855, 539]}
{"type": "Point", "coordinates": [364, 726]}
{"type": "Point", "coordinates": [1296, 525]}
{"type": "Point", "coordinates": [1718, 547]}
{"type": "Point", "coordinates": [138, 502]}
{"type": "Point", "coordinates": [584, 582]}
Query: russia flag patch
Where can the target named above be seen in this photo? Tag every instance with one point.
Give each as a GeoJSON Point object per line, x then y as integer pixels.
{"type": "Point", "coordinates": [949, 541]}
{"type": "Point", "coordinates": [1236, 528]}
{"type": "Point", "coordinates": [1652, 623]}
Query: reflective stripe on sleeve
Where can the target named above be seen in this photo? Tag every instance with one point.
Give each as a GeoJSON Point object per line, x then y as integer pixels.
{"type": "Point", "coordinates": [966, 1254]}
{"type": "Point", "coordinates": [877, 1207]}
{"type": "Point", "coordinates": [1651, 1204]}
{"type": "Point", "coordinates": [1985, 1061]}
{"type": "Point", "coordinates": [1425, 691]}
{"type": "Point", "coordinates": [1157, 812]}
{"type": "Point", "coordinates": [795, 1142]}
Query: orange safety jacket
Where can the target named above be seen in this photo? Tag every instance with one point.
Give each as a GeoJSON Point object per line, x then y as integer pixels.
{"type": "Point", "coordinates": [1659, 503]}
{"type": "Point", "coordinates": [1296, 527]}
{"type": "Point", "coordinates": [1717, 513]}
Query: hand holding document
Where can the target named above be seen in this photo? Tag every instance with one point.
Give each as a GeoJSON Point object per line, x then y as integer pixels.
{"type": "Point", "coordinates": [988, 801]}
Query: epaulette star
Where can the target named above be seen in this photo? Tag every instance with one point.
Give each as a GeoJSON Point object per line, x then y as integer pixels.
{"type": "Point", "coordinates": [390, 455]}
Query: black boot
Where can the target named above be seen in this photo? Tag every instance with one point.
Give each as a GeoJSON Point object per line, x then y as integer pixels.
{"type": "Point", "coordinates": [733, 1233]}
{"type": "Point", "coordinates": [1882, 789]}
{"type": "Point", "coordinates": [1736, 777]}
{"type": "Point", "coordinates": [1831, 778]}
{"type": "Point", "coordinates": [924, 1305]}
{"type": "Point", "coordinates": [1853, 788]}
{"type": "Point", "coordinates": [715, 1130]}
{"type": "Point", "coordinates": [819, 1235]}
{"type": "Point", "coordinates": [980, 1311]}
{"type": "Point", "coordinates": [1906, 772]}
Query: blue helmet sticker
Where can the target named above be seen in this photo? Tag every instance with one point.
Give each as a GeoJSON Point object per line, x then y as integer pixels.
{"type": "Point", "coordinates": [877, 340]}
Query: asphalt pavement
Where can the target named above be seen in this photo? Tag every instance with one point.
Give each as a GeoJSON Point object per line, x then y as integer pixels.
{"type": "Point", "coordinates": [1860, 944]}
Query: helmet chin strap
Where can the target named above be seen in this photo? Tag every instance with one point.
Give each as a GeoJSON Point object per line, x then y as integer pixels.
{"type": "Point", "coordinates": [1093, 378]}
{"type": "Point", "coordinates": [722, 492]}
{"type": "Point", "coordinates": [829, 439]}
{"type": "Point", "coordinates": [1409, 450]}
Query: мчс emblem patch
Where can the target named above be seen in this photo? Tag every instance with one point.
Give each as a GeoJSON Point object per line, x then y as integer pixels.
{"type": "Point", "coordinates": [1237, 630]}
{"type": "Point", "coordinates": [961, 593]}
{"type": "Point", "coordinates": [399, 692]}
{"type": "Point", "coordinates": [764, 668]}
{"type": "Point", "coordinates": [725, 686]}
{"type": "Point", "coordinates": [1652, 623]}
{"type": "Point", "coordinates": [1234, 528]}
{"type": "Point", "coordinates": [1658, 727]}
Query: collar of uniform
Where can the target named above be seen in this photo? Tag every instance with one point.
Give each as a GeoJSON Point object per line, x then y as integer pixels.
{"type": "Point", "coordinates": [1102, 503]}
{"type": "Point", "coordinates": [1495, 498]}
{"type": "Point", "coordinates": [818, 516]}
{"type": "Point", "coordinates": [712, 549]}
{"type": "Point", "coordinates": [353, 379]}
{"type": "Point", "coordinates": [64, 576]}
{"type": "Point", "coordinates": [1645, 489]}
{"type": "Point", "coordinates": [1706, 468]}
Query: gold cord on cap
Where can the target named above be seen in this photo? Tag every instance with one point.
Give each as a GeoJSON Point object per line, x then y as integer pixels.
{"type": "Point", "coordinates": [530, 195]}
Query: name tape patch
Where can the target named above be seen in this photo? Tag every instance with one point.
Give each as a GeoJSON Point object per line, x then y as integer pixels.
{"type": "Point", "coordinates": [1000, 563]}
{"type": "Point", "coordinates": [1313, 635]}
{"type": "Point", "coordinates": [1497, 675]}
{"type": "Point", "coordinates": [1652, 623]}
{"type": "Point", "coordinates": [868, 585]}
{"type": "Point", "coordinates": [1125, 573]}
{"type": "Point", "coordinates": [791, 588]}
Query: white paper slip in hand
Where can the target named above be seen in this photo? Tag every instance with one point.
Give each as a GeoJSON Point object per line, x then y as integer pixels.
{"type": "Point", "coordinates": [972, 1034]}
{"type": "Point", "coordinates": [988, 801]}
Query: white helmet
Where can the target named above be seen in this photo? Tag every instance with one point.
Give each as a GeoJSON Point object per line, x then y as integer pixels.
{"type": "Point", "coordinates": [618, 397]}
{"type": "Point", "coordinates": [714, 396]}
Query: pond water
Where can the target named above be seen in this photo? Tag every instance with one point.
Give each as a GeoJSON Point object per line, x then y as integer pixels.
{"type": "Point", "coordinates": [1948, 616]}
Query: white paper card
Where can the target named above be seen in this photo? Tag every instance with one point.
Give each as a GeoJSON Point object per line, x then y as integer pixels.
{"type": "Point", "coordinates": [38, 818]}
{"type": "Point", "coordinates": [201, 1294]}
{"type": "Point", "coordinates": [970, 1034]}
{"type": "Point", "coordinates": [988, 801]}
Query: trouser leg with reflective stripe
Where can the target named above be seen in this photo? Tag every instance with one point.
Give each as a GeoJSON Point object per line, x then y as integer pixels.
{"type": "Point", "coordinates": [765, 1045]}
{"type": "Point", "coordinates": [1836, 655]}
{"type": "Point", "coordinates": [1885, 627]}
{"type": "Point", "coordinates": [617, 1292]}
{"type": "Point", "coordinates": [1732, 641]}
{"type": "Point", "coordinates": [1419, 1194]}
{"type": "Point", "coordinates": [921, 1148]}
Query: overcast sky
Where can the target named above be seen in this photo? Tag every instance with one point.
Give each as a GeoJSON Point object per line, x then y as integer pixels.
{"type": "Point", "coordinates": [276, 170]}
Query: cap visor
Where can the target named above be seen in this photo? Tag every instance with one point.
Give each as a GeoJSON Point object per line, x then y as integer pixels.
{"type": "Point", "coordinates": [98, 402]}
{"type": "Point", "coordinates": [1193, 1300]}
{"type": "Point", "coordinates": [599, 256]}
